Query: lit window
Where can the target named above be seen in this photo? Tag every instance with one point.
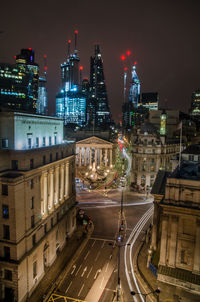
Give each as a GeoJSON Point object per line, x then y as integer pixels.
{"type": "Point", "coordinates": [5, 211]}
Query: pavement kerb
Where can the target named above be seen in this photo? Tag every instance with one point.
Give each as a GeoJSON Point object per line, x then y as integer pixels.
{"type": "Point", "coordinates": [66, 270]}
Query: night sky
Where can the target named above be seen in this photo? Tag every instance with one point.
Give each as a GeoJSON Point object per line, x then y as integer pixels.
{"type": "Point", "coordinates": [163, 36]}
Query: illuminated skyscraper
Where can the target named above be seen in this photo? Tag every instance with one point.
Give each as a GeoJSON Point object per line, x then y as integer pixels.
{"type": "Point", "coordinates": [195, 104]}
{"type": "Point", "coordinates": [42, 97]}
{"type": "Point", "coordinates": [27, 58]}
{"type": "Point", "coordinates": [98, 92]}
{"type": "Point", "coordinates": [71, 101]}
{"type": "Point", "coordinates": [134, 92]}
{"type": "Point", "coordinates": [16, 87]}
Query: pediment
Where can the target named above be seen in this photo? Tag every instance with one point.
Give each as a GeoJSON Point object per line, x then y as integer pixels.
{"type": "Point", "coordinates": [93, 140]}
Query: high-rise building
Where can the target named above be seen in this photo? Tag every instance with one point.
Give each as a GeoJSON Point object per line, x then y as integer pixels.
{"type": "Point", "coordinates": [195, 103]}
{"type": "Point", "coordinates": [71, 100]}
{"type": "Point", "coordinates": [27, 58]}
{"type": "Point", "coordinates": [38, 204]}
{"type": "Point", "coordinates": [42, 97]}
{"type": "Point", "coordinates": [98, 92]}
{"type": "Point", "coordinates": [134, 92]}
{"type": "Point", "coordinates": [149, 100]}
{"type": "Point", "coordinates": [16, 87]}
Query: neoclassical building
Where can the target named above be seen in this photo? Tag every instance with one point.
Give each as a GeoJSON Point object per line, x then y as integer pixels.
{"type": "Point", "coordinates": [94, 150]}
{"type": "Point", "coordinates": [151, 152]}
{"type": "Point", "coordinates": [175, 245]}
{"type": "Point", "coordinates": [37, 203]}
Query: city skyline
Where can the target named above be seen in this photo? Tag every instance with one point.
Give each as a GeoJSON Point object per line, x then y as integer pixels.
{"type": "Point", "coordinates": [161, 36]}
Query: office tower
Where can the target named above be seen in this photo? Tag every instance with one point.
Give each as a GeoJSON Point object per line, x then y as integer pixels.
{"type": "Point", "coordinates": [42, 107]}
{"type": "Point", "coordinates": [27, 58]}
{"type": "Point", "coordinates": [71, 100]}
{"type": "Point", "coordinates": [16, 87]}
{"type": "Point", "coordinates": [37, 203]}
{"type": "Point", "coordinates": [149, 100]}
{"type": "Point", "coordinates": [134, 92]}
{"type": "Point", "coordinates": [98, 92]}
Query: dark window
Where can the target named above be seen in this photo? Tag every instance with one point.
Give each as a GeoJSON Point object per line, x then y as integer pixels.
{"type": "Point", "coordinates": [32, 221]}
{"type": "Point", "coordinates": [7, 252]}
{"type": "Point", "coordinates": [5, 211]}
{"type": "Point", "coordinates": [14, 164]}
{"type": "Point", "coordinates": [29, 143]}
{"type": "Point", "coordinates": [6, 232]}
{"type": "Point", "coordinates": [33, 239]}
{"type": "Point", "coordinates": [50, 157]}
{"type": "Point", "coordinates": [8, 294]}
{"type": "Point", "coordinates": [49, 140]}
{"type": "Point", "coordinates": [32, 202]}
{"type": "Point", "coordinates": [37, 142]}
{"type": "Point", "coordinates": [8, 274]}
{"type": "Point", "coordinates": [44, 159]}
{"type": "Point", "coordinates": [55, 139]}
{"type": "Point", "coordinates": [31, 184]}
{"type": "Point", "coordinates": [34, 269]}
{"type": "Point", "coordinates": [4, 190]}
{"type": "Point", "coordinates": [4, 143]}
{"type": "Point", "coordinates": [57, 217]}
{"type": "Point", "coordinates": [44, 142]}
{"type": "Point", "coordinates": [52, 222]}
{"type": "Point", "coordinates": [45, 228]}
{"type": "Point", "coordinates": [56, 155]}
{"type": "Point", "coordinates": [31, 163]}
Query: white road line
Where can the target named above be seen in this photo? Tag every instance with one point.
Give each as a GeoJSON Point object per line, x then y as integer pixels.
{"type": "Point", "coordinates": [85, 269]}
{"type": "Point", "coordinates": [74, 267]}
{"type": "Point", "coordinates": [81, 290]}
{"type": "Point", "coordinates": [78, 270]}
{"type": "Point", "coordinates": [89, 272]}
{"type": "Point", "coordinates": [106, 267]}
{"type": "Point", "coordinates": [102, 283]}
{"type": "Point", "coordinates": [86, 255]}
{"type": "Point", "coordinates": [68, 287]}
{"type": "Point", "coordinates": [103, 244]}
{"type": "Point", "coordinates": [97, 256]}
{"type": "Point", "coordinates": [93, 243]}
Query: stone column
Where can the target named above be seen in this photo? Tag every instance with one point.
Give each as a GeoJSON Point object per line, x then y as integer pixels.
{"type": "Point", "coordinates": [80, 163]}
{"type": "Point", "coordinates": [155, 227]}
{"type": "Point", "coordinates": [61, 182]}
{"type": "Point", "coordinates": [90, 156]}
{"type": "Point", "coordinates": [85, 157]}
{"type": "Point", "coordinates": [95, 157]}
{"type": "Point", "coordinates": [106, 157]}
{"type": "Point", "coordinates": [42, 193]}
{"type": "Point", "coordinates": [56, 194]}
{"type": "Point", "coordinates": [100, 156]}
{"type": "Point", "coordinates": [163, 246]}
{"type": "Point", "coordinates": [173, 241]}
{"type": "Point", "coordinates": [51, 189]}
{"type": "Point", "coordinates": [196, 265]}
{"type": "Point", "coordinates": [67, 179]}
{"type": "Point", "coordinates": [110, 157]}
{"type": "Point", "coordinates": [45, 193]}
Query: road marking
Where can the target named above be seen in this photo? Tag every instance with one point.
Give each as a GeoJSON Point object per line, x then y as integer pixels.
{"type": "Point", "coordinates": [93, 243]}
{"type": "Point", "coordinates": [101, 285]}
{"type": "Point", "coordinates": [78, 270]}
{"type": "Point", "coordinates": [97, 256]}
{"type": "Point", "coordinates": [85, 269]}
{"type": "Point", "coordinates": [103, 244]}
{"type": "Point", "coordinates": [99, 270]}
{"type": "Point", "coordinates": [89, 272]}
{"type": "Point", "coordinates": [69, 286]}
{"type": "Point", "coordinates": [74, 267]}
{"type": "Point", "coordinates": [107, 267]}
{"type": "Point", "coordinates": [81, 290]}
{"type": "Point", "coordinates": [87, 255]}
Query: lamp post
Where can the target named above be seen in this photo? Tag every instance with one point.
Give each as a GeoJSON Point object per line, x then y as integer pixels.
{"type": "Point", "coordinates": [157, 290]}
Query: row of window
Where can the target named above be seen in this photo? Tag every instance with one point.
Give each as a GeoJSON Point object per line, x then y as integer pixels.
{"type": "Point", "coordinates": [37, 142]}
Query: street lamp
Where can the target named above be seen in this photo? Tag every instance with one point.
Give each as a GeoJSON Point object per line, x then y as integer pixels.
{"type": "Point", "coordinates": [157, 291]}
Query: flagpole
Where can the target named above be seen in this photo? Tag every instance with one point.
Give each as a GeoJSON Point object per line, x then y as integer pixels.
{"type": "Point", "coordinates": [179, 164]}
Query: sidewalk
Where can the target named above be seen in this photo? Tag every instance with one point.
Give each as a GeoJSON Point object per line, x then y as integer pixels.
{"type": "Point", "coordinates": [51, 278]}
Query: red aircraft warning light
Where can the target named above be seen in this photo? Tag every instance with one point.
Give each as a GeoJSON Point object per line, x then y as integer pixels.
{"type": "Point", "coordinates": [76, 31]}
{"type": "Point", "coordinates": [125, 68]}
{"type": "Point", "coordinates": [30, 48]}
{"type": "Point", "coordinates": [81, 67]}
{"type": "Point", "coordinates": [123, 57]}
{"type": "Point", "coordinates": [69, 41]}
{"type": "Point", "coordinates": [45, 56]}
{"type": "Point", "coordinates": [135, 63]}
{"type": "Point", "coordinates": [128, 52]}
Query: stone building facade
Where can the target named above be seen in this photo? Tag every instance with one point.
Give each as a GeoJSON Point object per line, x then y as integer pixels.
{"type": "Point", "coordinates": [176, 233]}
{"type": "Point", "coordinates": [151, 152]}
{"type": "Point", "coordinates": [37, 202]}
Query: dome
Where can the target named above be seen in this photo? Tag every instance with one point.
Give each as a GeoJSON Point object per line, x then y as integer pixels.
{"type": "Point", "coordinates": [148, 128]}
